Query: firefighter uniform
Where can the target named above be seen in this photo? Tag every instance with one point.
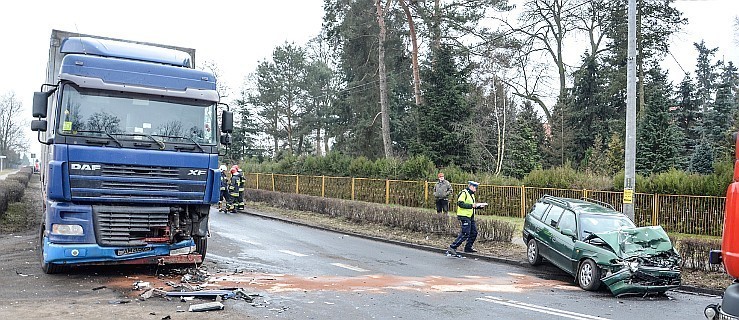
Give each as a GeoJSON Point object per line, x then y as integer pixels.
{"type": "Point", "coordinates": [233, 191]}
{"type": "Point", "coordinates": [242, 183]}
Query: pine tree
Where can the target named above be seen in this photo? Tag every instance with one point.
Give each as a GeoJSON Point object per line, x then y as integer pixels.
{"type": "Point", "coordinates": [706, 75]}
{"type": "Point", "coordinates": [526, 143]}
{"type": "Point", "coordinates": [588, 116]}
{"type": "Point", "coordinates": [702, 159]}
{"type": "Point", "coordinates": [657, 149]}
{"type": "Point", "coordinates": [444, 109]}
{"type": "Point", "coordinates": [720, 118]}
{"type": "Point", "coordinates": [615, 154]}
{"type": "Point", "coordinates": [596, 158]}
{"type": "Point", "coordinates": [688, 117]}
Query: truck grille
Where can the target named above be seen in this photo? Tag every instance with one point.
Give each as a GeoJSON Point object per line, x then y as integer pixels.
{"type": "Point", "coordinates": [104, 182]}
{"type": "Point", "coordinates": [128, 225]}
{"type": "Point", "coordinates": [133, 171]}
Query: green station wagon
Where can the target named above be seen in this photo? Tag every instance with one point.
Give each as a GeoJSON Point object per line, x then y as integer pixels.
{"type": "Point", "coordinates": [599, 245]}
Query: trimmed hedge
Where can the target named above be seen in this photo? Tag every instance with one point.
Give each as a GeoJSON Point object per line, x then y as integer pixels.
{"type": "Point", "coordinates": [695, 253]}
{"type": "Point", "coordinates": [411, 219]}
{"type": "Point", "coordinates": [12, 188]}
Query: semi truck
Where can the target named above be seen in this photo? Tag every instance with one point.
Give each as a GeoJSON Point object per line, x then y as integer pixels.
{"type": "Point", "coordinates": [130, 145]}
{"type": "Point", "coordinates": [729, 253]}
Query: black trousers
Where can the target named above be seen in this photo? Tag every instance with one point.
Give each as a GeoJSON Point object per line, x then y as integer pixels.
{"type": "Point", "coordinates": [442, 205]}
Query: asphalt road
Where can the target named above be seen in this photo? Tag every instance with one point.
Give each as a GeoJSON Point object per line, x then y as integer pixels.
{"type": "Point", "coordinates": [306, 273]}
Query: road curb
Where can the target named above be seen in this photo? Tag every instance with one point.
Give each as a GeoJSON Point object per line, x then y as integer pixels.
{"type": "Point", "coordinates": [684, 288]}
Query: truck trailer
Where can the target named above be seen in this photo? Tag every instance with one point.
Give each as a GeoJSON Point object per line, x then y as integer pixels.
{"type": "Point", "coordinates": [129, 161]}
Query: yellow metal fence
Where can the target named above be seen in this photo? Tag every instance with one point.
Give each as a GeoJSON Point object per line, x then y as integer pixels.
{"type": "Point", "coordinates": [703, 215]}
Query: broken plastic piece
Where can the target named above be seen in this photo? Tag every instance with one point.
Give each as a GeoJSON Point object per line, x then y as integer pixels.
{"type": "Point", "coordinates": [210, 306]}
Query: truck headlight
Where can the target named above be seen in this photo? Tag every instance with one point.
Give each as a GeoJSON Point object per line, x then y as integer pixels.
{"type": "Point", "coordinates": [67, 229]}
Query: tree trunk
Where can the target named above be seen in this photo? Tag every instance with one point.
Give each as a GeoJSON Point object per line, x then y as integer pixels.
{"type": "Point", "coordinates": [387, 143]}
{"type": "Point", "coordinates": [435, 33]}
{"type": "Point", "coordinates": [414, 53]}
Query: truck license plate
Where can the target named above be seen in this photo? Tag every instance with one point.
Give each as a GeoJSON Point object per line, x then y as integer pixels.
{"type": "Point", "coordinates": [127, 251]}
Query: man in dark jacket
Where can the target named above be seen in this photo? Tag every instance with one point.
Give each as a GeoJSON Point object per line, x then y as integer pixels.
{"type": "Point", "coordinates": [442, 191]}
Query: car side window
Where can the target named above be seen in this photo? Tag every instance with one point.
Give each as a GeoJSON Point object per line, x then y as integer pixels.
{"type": "Point", "coordinates": [553, 216]}
{"type": "Point", "coordinates": [539, 209]}
{"type": "Point", "coordinates": [568, 221]}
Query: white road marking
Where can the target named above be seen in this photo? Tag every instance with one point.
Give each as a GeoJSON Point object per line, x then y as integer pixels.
{"type": "Point", "coordinates": [293, 253]}
{"type": "Point", "coordinates": [345, 266]}
{"type": "Point", "coordinates": [546, 310]}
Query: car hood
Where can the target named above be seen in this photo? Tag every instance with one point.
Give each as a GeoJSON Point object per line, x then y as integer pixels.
{"type": "Point", "coordinates": [642, 241]}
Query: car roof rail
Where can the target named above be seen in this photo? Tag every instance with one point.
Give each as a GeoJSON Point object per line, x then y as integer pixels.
{"type": "Point", "coordinates": [605, 204]}
{"type": "Point", "coordinates": [556, 199]}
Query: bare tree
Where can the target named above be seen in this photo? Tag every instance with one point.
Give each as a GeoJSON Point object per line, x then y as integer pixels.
{"type": "Point", "coordinates": [12, 138]}
{"type": "Point", "coordinates": [414, 52]}
{"type": "Point", "coordinates": [387, 143]}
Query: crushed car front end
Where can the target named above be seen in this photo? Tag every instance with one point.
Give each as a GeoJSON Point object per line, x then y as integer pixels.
{"type": "Point", "coordinates": [646, 263]}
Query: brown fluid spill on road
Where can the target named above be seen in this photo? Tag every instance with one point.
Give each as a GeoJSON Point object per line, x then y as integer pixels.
{"type": "Point", "coordinates": [377, 283]}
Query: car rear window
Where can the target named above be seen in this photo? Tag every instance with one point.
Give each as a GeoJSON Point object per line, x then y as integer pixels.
{"type": "Point", "coordinates": [553, 216]}
{"type": "Point", "coordinates": [538, 210]}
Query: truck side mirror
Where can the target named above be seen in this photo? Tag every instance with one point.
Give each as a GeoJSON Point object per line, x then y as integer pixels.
{"type": "Point", "coordinates": [40, 104]}
{"type": "Point", "coordinates": [225, 139]}
{"type": "Point", "coordinates": [227, 122]}
{"type": "Point", "coordinates": [38, 125]}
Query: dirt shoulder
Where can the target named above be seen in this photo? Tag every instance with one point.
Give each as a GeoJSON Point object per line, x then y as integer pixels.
{"type": "Point", "coordinates": [710, 282]}
{"type": "Point", "coordinates": [87, 293]}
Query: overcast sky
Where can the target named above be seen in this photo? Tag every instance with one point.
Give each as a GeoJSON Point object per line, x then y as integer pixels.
{"type": "Point", "coordinates": [237, 34]}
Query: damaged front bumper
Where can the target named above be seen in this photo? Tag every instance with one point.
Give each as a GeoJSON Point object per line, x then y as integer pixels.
{"type": "Point", "coordinates": [642, 280]}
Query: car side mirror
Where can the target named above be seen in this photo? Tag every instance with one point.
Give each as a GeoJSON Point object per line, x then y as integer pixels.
{"type": "Point", "coordinates": [568, 232]}
{"type": "Point", "coordinates": [553, 223]}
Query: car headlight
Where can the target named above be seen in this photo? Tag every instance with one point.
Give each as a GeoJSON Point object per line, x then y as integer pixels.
{"type": "Point", "coordinates": [633, 265]}
{"type": "Point", "coordinates": [67, 229]}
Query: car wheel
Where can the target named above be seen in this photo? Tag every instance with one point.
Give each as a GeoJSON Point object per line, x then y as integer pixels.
{"type": "Point", "coordinates": [532, 252]}
{"type": "Point", "coordinates": [588, 275]}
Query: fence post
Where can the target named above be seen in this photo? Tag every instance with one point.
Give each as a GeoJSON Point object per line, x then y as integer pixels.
{"type": "Point", "coordinates": [426, 193]}
{"type": "Point", "coordinates": [523, 201]}
{"type": "Point", "coordinates": [323, 186]}
{"type": "Point", "coordinates": [273, 181]}
{"type": "Point", "coordinates": [297, 184]}
{"type": "Point", "coordinates": [258, 181]}
{"type": "Point", "coordinates": [352, 188]}
{"type": "Point", "coordinates": [584, 193]}
{"type": "Point", "coordinates": [387, 191]}
{"type": "Point", "coordinates": [655, 210]}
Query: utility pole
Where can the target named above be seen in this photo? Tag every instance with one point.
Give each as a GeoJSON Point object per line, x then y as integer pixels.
{"type": "Point", "coordinates": [630, 141]}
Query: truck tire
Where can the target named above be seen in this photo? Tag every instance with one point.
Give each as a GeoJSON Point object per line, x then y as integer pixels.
{"type": "Point", "coordinates": [48, 268]}
{"type": "Point", "coordinates": [201, 245]}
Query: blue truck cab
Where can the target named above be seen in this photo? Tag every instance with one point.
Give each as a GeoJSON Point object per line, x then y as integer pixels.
{"type": "Point", "coordinates": [130, 143]}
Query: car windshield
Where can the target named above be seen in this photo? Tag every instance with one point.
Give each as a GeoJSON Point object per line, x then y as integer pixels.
{"type": "Point", "coordinates": [135, 116]}
{"type": "Point", "coordinates": [597, 223]}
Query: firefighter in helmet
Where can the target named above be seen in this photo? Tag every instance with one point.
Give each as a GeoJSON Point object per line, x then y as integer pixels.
{"type": "Point", "coordinates": [224, 188]}
{"type": "Point", "coordinates": [233, 190]}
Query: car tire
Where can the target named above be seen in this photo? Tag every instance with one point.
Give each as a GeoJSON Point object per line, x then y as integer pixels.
{"type": "Point", "coordinates": [588, 275]}
{"type": "Point", "coordinates": [532, 252]}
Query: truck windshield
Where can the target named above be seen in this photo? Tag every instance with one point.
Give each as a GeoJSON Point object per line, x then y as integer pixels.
{"type": "Point", "coordinates": [132, 116]}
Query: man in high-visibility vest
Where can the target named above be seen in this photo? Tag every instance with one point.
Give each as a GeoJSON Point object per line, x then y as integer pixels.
{"type": "Point", "coordinates": [466, 215]}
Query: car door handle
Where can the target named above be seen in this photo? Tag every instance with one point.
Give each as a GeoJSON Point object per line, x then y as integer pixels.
{"type": "Point", "coordinates": [554, 239]}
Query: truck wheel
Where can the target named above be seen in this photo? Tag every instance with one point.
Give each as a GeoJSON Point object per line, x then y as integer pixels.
{"type": "Point", "coordinates": [588, 275]}
{"type": "Point", "coordinates": [201, 246]}
{"type": "Point", "coordinates": [48, 268]}
{"type": "Point", "coordinates": [532, 252]}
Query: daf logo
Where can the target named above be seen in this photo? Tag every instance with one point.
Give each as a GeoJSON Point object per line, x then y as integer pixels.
{"type": "Point", "coordinates": [196, 173]}
{"type": "Point", "coordinates": [87, 167]}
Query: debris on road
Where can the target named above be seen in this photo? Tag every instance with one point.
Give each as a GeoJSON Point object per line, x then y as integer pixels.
{"type": "Point", "coordinates": [98, 288]}
{"type": "Point", "coordinates": [141, 285]}
{"type": "Point", "coordinates": [210, 306]}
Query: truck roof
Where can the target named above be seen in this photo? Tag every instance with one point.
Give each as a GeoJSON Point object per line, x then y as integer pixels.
{"type": "Point", "coordinates": [126, 50]}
